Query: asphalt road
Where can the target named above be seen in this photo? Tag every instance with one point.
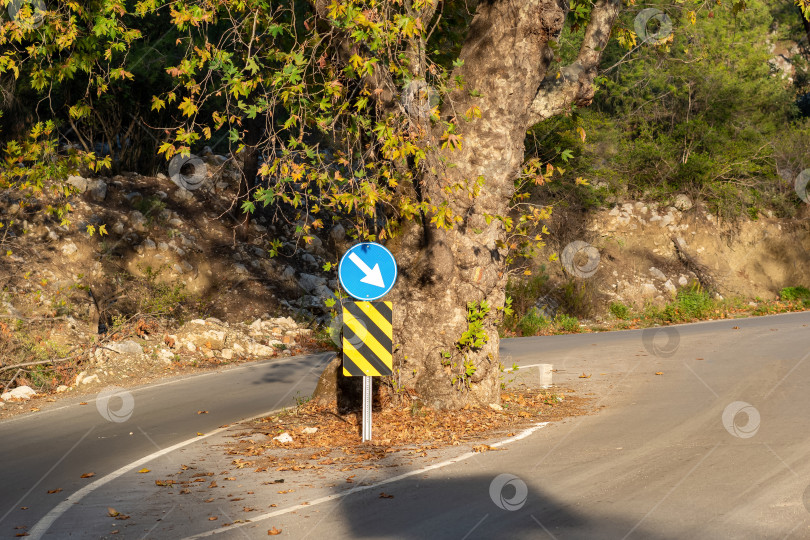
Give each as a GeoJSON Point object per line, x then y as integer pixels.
{"type": "Point", "coordinates": [53, 448]}
{"type": "Point", "coordinates": [704, 434]}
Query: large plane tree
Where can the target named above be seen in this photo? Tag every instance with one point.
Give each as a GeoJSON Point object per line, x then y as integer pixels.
{"type": "Point", "coordinates": [404, 120]}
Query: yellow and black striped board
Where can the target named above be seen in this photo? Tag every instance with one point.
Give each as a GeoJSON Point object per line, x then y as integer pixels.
{"type": "Point", "coordinates": [367, 339]}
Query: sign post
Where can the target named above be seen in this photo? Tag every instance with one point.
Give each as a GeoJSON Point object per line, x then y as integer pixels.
{"type": "Point", "coordinates": [367, 272]}
{"type": "Point", "coordinates": [366, 409]}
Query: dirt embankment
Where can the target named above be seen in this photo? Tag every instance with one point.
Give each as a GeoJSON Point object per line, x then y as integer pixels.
{"type": "Point", "coordinates": [647, 252]}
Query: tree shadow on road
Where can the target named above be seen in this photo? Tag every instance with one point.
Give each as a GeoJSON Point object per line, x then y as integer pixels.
{"type": "Point", "coordinates": [472, 507]}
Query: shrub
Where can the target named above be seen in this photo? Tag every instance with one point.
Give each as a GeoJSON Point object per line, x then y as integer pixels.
{"type": "Point", "coordinates": [619, 310]}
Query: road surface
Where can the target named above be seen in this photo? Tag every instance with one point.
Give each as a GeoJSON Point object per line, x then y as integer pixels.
{"type": "Point", "coordinates": [705, 433]}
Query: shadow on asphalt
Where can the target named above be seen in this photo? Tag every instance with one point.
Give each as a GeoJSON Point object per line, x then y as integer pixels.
{"type": "Point", "coordinates": [463, 508]}
{"type": "Point", "coordinates": [294, 369]}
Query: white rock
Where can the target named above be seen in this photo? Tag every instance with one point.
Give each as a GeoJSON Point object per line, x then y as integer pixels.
{"type": "Point", "coordinates": [658, 274]}
{"type": "Point", "coordinates": [310, 283]}
{"type": "Point", "coordinates": [257, 349]}
{"type": "Point", "coordinates": [149, 244]}
{"type": "Point", "coordinates": [90, 379]}
{"type": "Point", "coordinates": [648, 290]}
{"type": "Point", "coordinates": [165, 355]}
{"type": "Point", "coordinates": [21, 393]}
{"type": "Point", "coordinates": [284, 438]}
{"type": "Point", "coordinates": [138, 220]}
{"type": "Point", "coordinates": [338, 233]}
{"type": "Point", "coordinates": [182, 194]}
{"type": "Point", "coordinates": [315, 245]}
{"type": "Point", "coordinates": [682, 281]}
{"type": "Point", "coordinates": [227, 354]}
{"type": "Point", "coordinates": [309, 430]}
{"type": "Point", "coordinates": [118, 228]}
{"type": "Point", "coordinates": [240, 268]}
{"type": "Point", "coordinates": [614, 211]}
{"type": "Point", "coordinates": [288, 274]}
{"type": "Point", "coordinates": [62, 388]}
{"type": "Point", "coordinates": [682, 202]}
{"type": "Point", "coordinates": [78, 182]}
{"type": "Point", "coordinates": [97, 189]}
{"type": "Point", "coordinates": [69, 248]}
{"type": "Point", "coordinates": [191, 347]}
{"type": "Point", "coordinates": [126, 347]}
{"type": "Point", "coordinates": [669, 286]}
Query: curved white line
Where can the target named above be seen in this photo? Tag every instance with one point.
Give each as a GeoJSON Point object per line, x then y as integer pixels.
{"type": "Point", "coordinates": [522, 435]}
{"type": "Point", "coordinates": [56, 512]}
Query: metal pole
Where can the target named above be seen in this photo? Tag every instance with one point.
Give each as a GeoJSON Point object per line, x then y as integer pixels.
{"type": "Point", "coordinates": [366, 409]}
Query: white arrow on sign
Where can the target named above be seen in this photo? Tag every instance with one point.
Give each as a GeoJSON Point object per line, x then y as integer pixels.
{"type": "Point", "coordinates": [373, 276]}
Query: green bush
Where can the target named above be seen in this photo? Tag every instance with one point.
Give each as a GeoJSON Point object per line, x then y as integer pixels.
{"type": "Point", "coordinates": [795, 293]}
{"type": "Point", "coordinates": [619, 310]}
{"type": "Point", "coordinates": [532, 323]}
{"type": "Point", "coordinates": [566, 323]}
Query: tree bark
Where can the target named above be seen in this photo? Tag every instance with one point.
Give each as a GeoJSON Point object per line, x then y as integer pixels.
{"type": "Point", "coordinates": [250, 169]}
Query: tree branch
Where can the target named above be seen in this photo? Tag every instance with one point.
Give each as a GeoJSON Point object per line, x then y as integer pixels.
{"type": "Point", "coordinates": [573, 84]}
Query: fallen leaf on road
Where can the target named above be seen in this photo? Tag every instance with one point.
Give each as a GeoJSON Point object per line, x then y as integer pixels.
{"type": "Point", "coordinates": [213, 484]}
{"type": "Point", "coordinates": [349, 479]}
{"type": "Point", "coordinates": [583, 376]}
{"type": "Point", "coordinates": [385, 495]}
{"type": "Point", "coordinates": [88, 475]}
{"type": "Point", "coordinates": [659, 372]}
{"type": "Point", "coordinates": [481, 448]}
{"type": "Point", "coordinates": [57, 490]}
{"type": "Point", "coordinates": [287, 491]}
{"type": "Point", "coordinates": [200, 434]}
{"type": "Point", "coordinates": [273, 505]}
{"type": "Point", "coordinates": [26, 534]}
{"type": "Point", "coordinates": [34, 409]}
{"type": "Point", "coordinates": [202, 412]}
{"type": "Point", "coordinates": [273, 532]}
{"type": "Point", "coordinates": [142, 471]}
{"type": "Point", "coordinates": [185, 491]}
{"type": "Point", "coordinates": [83, 403]}
{"type": "Point", "coordinates": [208, 500]}
{"type": "Point", "coordinates": [112, 512]}
{"type": "Point", "coordinates": [735, 327]}
{"type": "Point", "coordinates": [164, 482]}
{"type": "Point", "coordinates": [122, 517]}
{"type": "Point", "coordinates": [212, 518]}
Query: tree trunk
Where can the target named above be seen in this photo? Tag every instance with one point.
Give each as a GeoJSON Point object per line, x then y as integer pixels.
{"type": "Point", "coordinates": [505, 57]}
{"type": "Point", "coordinates": [250, 169]}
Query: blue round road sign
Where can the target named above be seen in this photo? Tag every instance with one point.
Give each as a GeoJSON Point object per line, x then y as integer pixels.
{"type": "Point", "coordinates": [367, 271]}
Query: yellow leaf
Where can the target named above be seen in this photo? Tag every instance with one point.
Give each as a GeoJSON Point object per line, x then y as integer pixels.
{"type": "Point", "coordinates": [144, 470]}
{"type": "Point", "coordinates": [581, 133]}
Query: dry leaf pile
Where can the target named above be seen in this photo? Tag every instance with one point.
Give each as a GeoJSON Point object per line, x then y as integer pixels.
{"type": "Point", "coordinates": [406, 429]}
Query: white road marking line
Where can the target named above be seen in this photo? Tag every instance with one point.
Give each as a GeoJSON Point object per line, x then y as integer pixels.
{"type": "Point", "coordinates": [522, 435]}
